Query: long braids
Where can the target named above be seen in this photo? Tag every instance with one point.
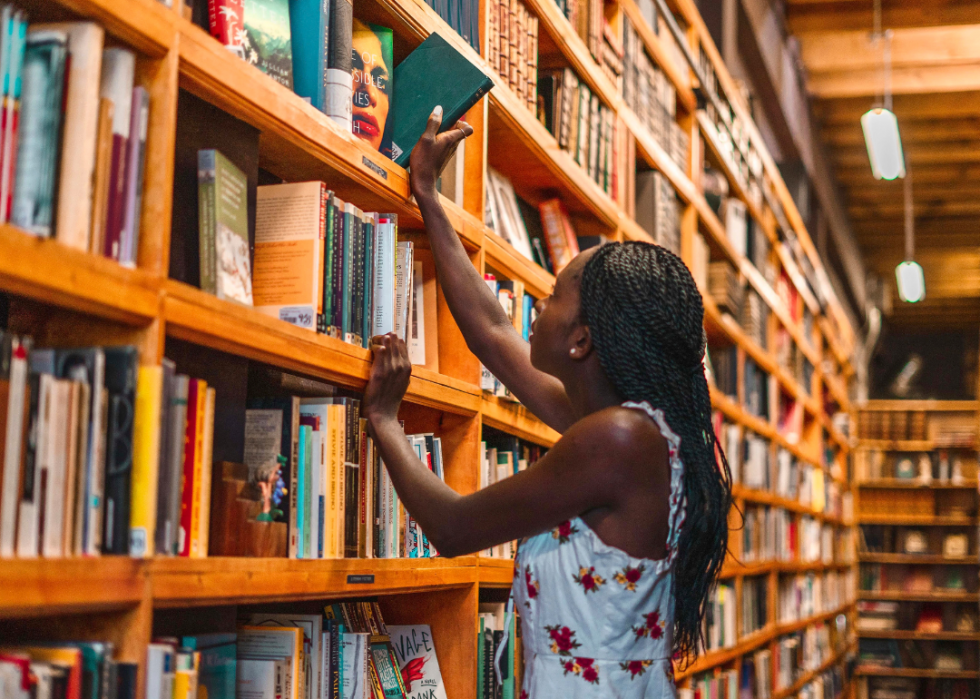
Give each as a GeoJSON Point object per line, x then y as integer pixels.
{"type": "Point", "coordinates": [645, 315]}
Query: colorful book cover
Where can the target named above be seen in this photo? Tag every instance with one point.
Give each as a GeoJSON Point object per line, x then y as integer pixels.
{"type": "Point", "coordinates": [226, 21]}
{"type": "Point", "coordinates": [372, 67]}
{"type": "Point", "coordinates": [223, 224]}
{"type": "Point", "coordinates": [310, 43]}
{"type": "Point", "coordinates": [416, 655]}
{"type": "Point", "coordinates": [218, 668]}
{"type": "Point", "coordinates": [267, 40]}
{"type": "Point", "coordinates": [339, 79]}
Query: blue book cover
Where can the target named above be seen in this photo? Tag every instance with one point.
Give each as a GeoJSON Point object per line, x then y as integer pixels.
{"type": "Point", "coordinates": [309, 22]}
{"type": "Point", "coordinates": [302, 528]}
{"type": "Point", "coordinates": [218, 667]}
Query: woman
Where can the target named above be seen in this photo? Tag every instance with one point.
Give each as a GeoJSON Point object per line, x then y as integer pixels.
{"type": "Point", "coordinates": [624, 520]}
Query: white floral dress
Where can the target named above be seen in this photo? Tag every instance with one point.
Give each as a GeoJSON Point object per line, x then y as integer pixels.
{"type": "Point", "coordinates": [595, 621]}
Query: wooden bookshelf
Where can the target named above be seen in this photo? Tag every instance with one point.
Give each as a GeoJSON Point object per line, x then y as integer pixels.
{"type": "Point", "coordinates": [890, 423]}
{"type": "Point", "coordinates": [62, 296]}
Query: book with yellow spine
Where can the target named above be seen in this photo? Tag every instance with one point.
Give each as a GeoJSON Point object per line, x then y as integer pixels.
{"type": "Point", "coordinates": [146, 454]}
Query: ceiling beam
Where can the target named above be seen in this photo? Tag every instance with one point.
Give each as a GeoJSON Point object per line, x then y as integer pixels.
{"type": "Point", "coordinates": [912, 131]}
{"type": "Point", "coordinates": [851, 51]}
{"type": "Point", "coordinates": [896, 209]}
{"type": "Point", "coordinates": [932, 105]}
{"type": "Point", "coordinates": [916, 154]}
{"type": "Point", "coordinates": [837, 15]}
{"type": "Point", "coordinates": [859, 174]}
{"type": "Point", "coordinates": [906, 80]}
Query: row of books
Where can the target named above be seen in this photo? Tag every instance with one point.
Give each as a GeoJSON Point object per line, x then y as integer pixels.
{"type": "Point", "coordinates": [73, 141]}
{"type": "Point", "coordinates": [586, 18]}
{"type": "Point", "coordinates": [320, 263]}
{"type": "Point", "coordinates": [80, 429]}
{"type": "Point", "coordinates": [581, 123]}
{"type": "Point", "coordinates": [652, 97]}
{"type": "Point", "coordinates": [918, 654]}
{"type": "Point", "coordinates": [513, 51]}
{"type": "Point", "coordinates": [721, 364]}
{"type": "Point", "coordinates": [345, 652]}
{"type": "Point", "coordinates": [912, 688]}
{"type": "Point", "coordinates": [922, 617]}
{"type": "Point", "coordinates": [725, 287]}
{"type": "Point", "coordinates": [939, 466]}
{"type": "Point", "coordinates": [893, 424]}
{"type": "Point", "coordinates": [491, 636]}
{"type": "Point", "coordinates": [792, 360]}
{"type": "Point", "coordinates": [803, 595]}
{"type": "Point", "coordinates": [720, 630]}
{"type": "Point", "coordinates": [759, 387]}
{"type": "Point", "coordinates": [927, 502]}
{"type": "Point", "coordinates": [657, 210]}
{"type": "Point", "coordinates": [829, 684]}
{"type": "Point", "coordinates": [65, 671]}
{"type": "Point", "coordinates": [520, 310]}
{"type": "Point", "coordinates": [501, 456]}
{"type": "Point", "coordinates": [910, 540]}
{"type": "Point", "coordinates": [915, 579]}
{"type": "Point", "coordinates": [719, 684]}
{"type": "Point", "coordinates": [768, 534]}
{"type": "Point", "coordinates": [801, 652]}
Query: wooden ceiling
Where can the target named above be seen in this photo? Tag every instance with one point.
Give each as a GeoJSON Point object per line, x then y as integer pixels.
{"type": "Point", "coordinates": [936, 85]}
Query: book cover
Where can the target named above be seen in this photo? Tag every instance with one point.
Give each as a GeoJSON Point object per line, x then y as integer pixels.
{"type": "Point", "coordinates": [195, 391]}
{"type": "Point", "coordinates": [559, 235]}
{"type": "Point", "coordinates": [312, 627]}
{"type": "Point", "coordinates": [416, 93]}
{"type": "Point", "coordinates": [74, 203]}
{"type": "Point", "coordinates": [310, 26]}
{"type": "Point", "coordinates": [226, 22]}
{"type": "Point", "coordinates": [280, 644]}
{"type": "Point", "coordinates": [372, 67]}
{"type": "Point", "coordinates": [354, 649]}
{"type": "Point", "coordinates": [17, 404]}
{"type": "Point", "coordinates": [120, 382]}
{"type": "Point", "coordinates": [217, 671]}
{"type": "Point", "coordinates": [39, 139]}
{"type": "Point", "coordinates": [223, 228]}
{"type": "Point", "coordinates": [385, 253]}
{"type": "Point", "coordinates": [267, 39]}
{"type": "Point", "coordinates": [15, 27]}
{"type": "Point", "coordinates": [417, 661]}
{"type": "Point", "coordinates": [340, 80]}
{"type": "Point", "coordinates": [289, 238]}
{"type": "Point", "coordinates": [199, 545]}
{"type": "Point", "coordinates": [283, 469]}
{"type": "Point", "coordinates": [135, 161]}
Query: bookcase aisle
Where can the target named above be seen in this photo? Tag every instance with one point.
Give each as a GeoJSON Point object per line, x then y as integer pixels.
{"type": "Point", "coordinates": [916, 476]}
{"type": "Point", "coordinates": [607, 121]}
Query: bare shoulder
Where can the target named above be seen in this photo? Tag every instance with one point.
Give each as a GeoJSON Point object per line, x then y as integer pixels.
{"type": "Point", "coordinates": [619, 434]}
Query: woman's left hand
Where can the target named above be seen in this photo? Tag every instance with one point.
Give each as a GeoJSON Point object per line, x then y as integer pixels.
{"type": "Point", "coordinates": [389, 379]}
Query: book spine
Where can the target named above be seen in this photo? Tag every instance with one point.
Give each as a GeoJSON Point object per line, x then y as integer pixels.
{"type": "Point", "coordinates": [367, 279]}
{"type": "Point", "coordinates": [206, 184]}
{"type": "Point", "coordinates": [302, 498]}
{"type": "Point", "coordinates": [226, 20]}
{"type": "Point", "coordinates": [207, 456]}
{"type": "Point", "coordinates": [146, 455]}
{"type": "Point", "coordinates": [195, 525]}
{"type": "Point", "coordinates": [134, 180]}
{"type": "Point", "coordinates": [340, 80]}
{"type": "Point", "coordinates": [194, 387]}
{"type": "Point", "coordinates": [18, 402]}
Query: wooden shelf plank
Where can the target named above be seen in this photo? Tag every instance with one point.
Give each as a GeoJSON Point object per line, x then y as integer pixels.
{"type": "Point", "coordinates": [495, 572]}
{"type": "Point", "coordinates": [146, 25]}
{"type": "Point", "coordinates": [502, 256]}
{"type": "Point", "coordinates": [42, 587]}
{"type": "Point", "coordinates": [876, 671]}
{"type": "Point", "coordinates": [898, 444]}
{"type": "Point", "coordinates": [921, 635]}
{"type": "Point", "coordinates": [918, 520]}
{"type": "Point", "coordinates": [904, 484]}
{"type": "Point", "coordinates": [517, 420]}
{"type": "Point", "coordinates": [917, 559]}
{"type": "Point", "coordinates": [965, 406]}
{"type": "Point", "coordinates": [934, 596]}
{"type": "Point", "coordinates": [198, 317]}
{"type": "Point", "coordinates": [211, 581]}
{"type": "Point", "coordinates": [45, 270]}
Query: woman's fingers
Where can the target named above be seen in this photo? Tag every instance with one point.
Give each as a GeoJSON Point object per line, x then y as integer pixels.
{"type": "Point", "coordinates": [435, 121]}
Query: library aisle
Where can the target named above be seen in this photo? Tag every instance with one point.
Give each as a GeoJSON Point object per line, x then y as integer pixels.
{"type": "Point", "coordinates": [206, 214]}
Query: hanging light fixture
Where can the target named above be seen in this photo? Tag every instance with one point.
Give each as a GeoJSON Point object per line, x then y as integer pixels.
{"type": "Point", "coordinates": [908, 274]}
{"type": "Point", "coordinates": [879, 124]}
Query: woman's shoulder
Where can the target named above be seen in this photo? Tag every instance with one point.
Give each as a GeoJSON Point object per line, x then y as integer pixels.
{"type": "Point", "coordinates": [621, 432]}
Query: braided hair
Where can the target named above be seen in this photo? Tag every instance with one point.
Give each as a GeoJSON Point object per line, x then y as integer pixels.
{"type": "Point", "coordinates": [645, 316]}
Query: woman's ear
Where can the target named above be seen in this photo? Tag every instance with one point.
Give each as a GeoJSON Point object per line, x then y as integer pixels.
{"type": "Point", "coordinates": [581, 343]}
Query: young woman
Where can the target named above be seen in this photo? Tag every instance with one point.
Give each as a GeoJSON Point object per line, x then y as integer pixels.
{"type": "Point", "coordinates": [624, 521]}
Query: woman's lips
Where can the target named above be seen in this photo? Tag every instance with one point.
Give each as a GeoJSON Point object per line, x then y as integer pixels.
{"type": "Point", "coordinates": [366, 125]}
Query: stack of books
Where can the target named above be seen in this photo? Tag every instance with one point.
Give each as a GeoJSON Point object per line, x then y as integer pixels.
{"type": "Point", "coordinates": [66, 670]}
{"type": "Point", "coordinates": [513, 52]}
{"type": "Point", "coordinates": [657, 209]}
{"type": "Point", "coordinates": [494, 633]}
{"type": "Point", "coordinates": [725, 287]}
{"type": "Point", "coordinates": [755, 593]}
{"type": "Point", "coordinates": [755, 316]}
{"type": "Point", "coordinates": [581, 123]}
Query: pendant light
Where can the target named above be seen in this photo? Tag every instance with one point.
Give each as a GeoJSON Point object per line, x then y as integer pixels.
{"type": "Point", "coordinates": [908, 274]}
{"type": "Point", "coordinates": [879, 123]}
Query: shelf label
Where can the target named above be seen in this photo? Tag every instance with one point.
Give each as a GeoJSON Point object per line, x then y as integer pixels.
{"type": "Point", "coordinates": [360, 579]}
{"type": "Point", "coordinates": [374, 167]}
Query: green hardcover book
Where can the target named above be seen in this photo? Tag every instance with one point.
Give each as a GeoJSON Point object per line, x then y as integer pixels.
{"type": "Point", "coordinates": [223, 228]}
{"type": "Point", "coordinates": [216, 672]}
{"type": "Point", "coordinates": [480, 683]}
{"type": "Point", "coordinates": [325, 319]}
{"type": "Point", "coordinates": [433, 74]}
{"type": "Point", "coordinates": [347, 271]}
{"type": "Point", "coordinates": [370, 222]}
{"type": "Point", "coordinates": [267, 40]}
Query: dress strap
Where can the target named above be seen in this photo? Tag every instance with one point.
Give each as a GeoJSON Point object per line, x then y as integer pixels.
{"type": "Point", "coordinates": [678, 500]}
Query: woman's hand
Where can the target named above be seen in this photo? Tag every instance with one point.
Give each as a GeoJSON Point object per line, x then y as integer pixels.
{"type": "Point", "coordinates": [432, 152]}
{"type": "Point", "coordinates": [390, 374]}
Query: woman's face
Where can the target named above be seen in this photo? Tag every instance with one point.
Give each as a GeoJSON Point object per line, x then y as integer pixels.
{"type": "Point", "coordinates": [558, 316]}
{"type": "Point", "coordinates": [371, 76]}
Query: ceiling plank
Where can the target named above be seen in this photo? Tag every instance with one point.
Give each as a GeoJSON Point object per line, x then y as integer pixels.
{"type": "Point", "coordinates": [849, 15]}
{"type": "Point", "coordinates": [906, 80]}
{"type": "Point", "coordinates": [896, 209]}
{"type": "Point", "coordinates": [859, 174]}
{"type": "Point", "coordinates": [931, 105]}
{"type": "Point", "coordinates": [912, 131]}
{"type": "Point", "coordinates": [853, 51]}
{"type": "Point", "coordinates": [916, 154]}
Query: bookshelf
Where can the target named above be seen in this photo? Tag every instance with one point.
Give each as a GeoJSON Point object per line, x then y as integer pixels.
{"type": "Point", "coordinates": [915, 477]}
{"type": "Point", "coordinates": [66, 297]}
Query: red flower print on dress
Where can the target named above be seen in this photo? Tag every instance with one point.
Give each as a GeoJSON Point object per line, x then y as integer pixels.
{"type": "Point", "coordinates": [585, 667]}
{"type": "Point", "coordinates": [588, 579]}
{"type": "Point", "coordinates": [532, 586]}
{"type": "Point", "coordinates": [653, 628]}
{"type": "Point", "coordinates": [523, 694]}
{"type": "Point", "coordinates": [562, 640]}
{"type": "Point", "coordinates": [629, 576]}
{"type": "Point", "coordinates": [635, 667]}
{"type": "Point", "coordinates": [564, 531]}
